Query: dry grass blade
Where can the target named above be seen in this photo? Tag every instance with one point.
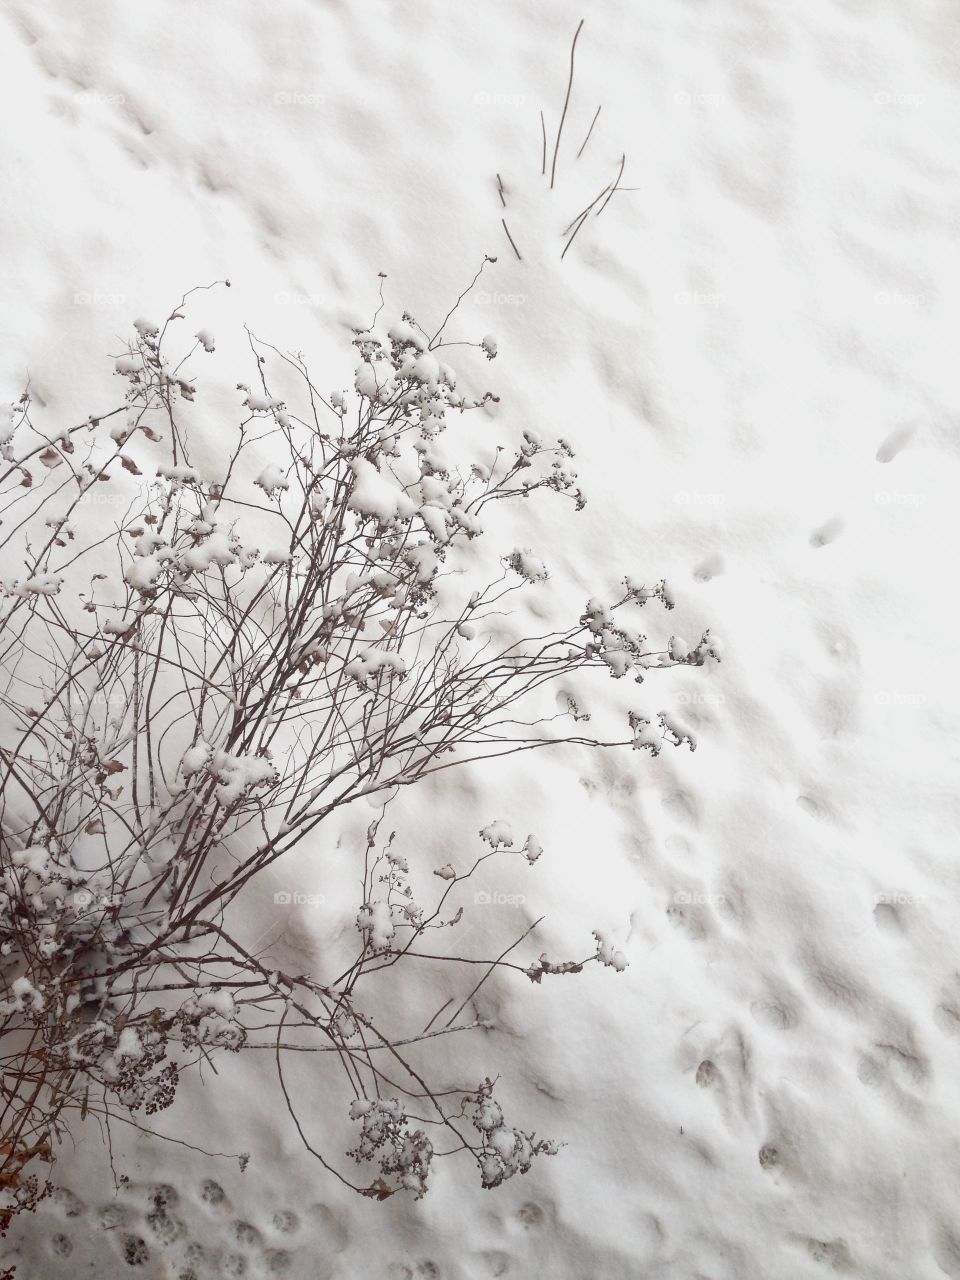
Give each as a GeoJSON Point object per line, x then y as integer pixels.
{"type": "Point", "coordinates": [510, 238]}
{"type": "Point", "coordinates": [589, 131]}
{"type": "Point", "coordinates": [566, 104]}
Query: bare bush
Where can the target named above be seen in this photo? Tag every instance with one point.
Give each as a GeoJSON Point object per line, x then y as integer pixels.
{"type": "Point", "coordinates": [201, 672]}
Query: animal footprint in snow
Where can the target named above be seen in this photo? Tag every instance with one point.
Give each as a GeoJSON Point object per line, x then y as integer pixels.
{"type": "Point", "coordinates": [70, 1204]}
{"type": "Point", "coordinates": [682, 807]}
{"type": "Point", "coordinates": [768, 1156]}
{"type": "Point", "coordinates": [286, 1222]}
{"type": "Point", "coordinates": [61, 1245]}
{"type": "Point", "coordinates": [112, 1216]}
{"type": "Point", "coordinates": [831, 1253]}
{"type": "Point", "coordinates": [706, 1074]}
{"type": "Point", "coordinates": [135, 1251]}
{"type": "Point", "coordinates": [212, 1194]}
{"type": "Point", "coordinates": [893, 444]}
{"type": "Point", "coordinates": [887, 918]}
{"type": "Point", "coordinates": [827, 533]}
{"type": "Point", "coordinates": [277, 1262]}
{"type": "Point", "coordinates": [532, 1215]}
{"type": "Point", "coordinates": [712, 567]}
{"type": "Point", "coordinates": [689, 919]}
{"type": "Point", "coordinates": [494, 1262]}
{"type": "Point", "coordinates": [247, 1234]}
{"type": "Point", "coordinates": [723, 1071]}
{"type": "Point", "coordinates": [776, 1014]}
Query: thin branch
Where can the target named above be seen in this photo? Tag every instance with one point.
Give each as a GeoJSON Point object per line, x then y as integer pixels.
{"type": "Point", "coordinates": [510, 238]}
{"type": "Point", "coordinates": [589, 131]}
{"type": "Point", "coordinates": [566, 103]}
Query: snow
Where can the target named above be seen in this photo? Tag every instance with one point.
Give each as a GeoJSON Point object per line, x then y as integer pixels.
{"type": "Point", "coordinates": [371, 662]}
{"type": "Point", "coordinates": [498, 835]}
{"type": "Point", "coordinates": [271, 479]}
{"type": "Point", "coordinates": [144, 572]}
{"type": "Point", "coordinates": [216, 548]}
{"type": "Point", "coordinates": [376, 495]}
{"type": "Point", "coordinates": [196, 758]}
{"type": "Point", "coordinates": [751, 349]}
{"type": "Point", "coordinates": [532, 849]}
{"type": "Point", "coordinates": [528, 565]}
{"type": "Point", "coordinates": [608, 954]}
{"type": "Point", "coordinates": [44, 584]}
{"type": "Point", "coordinates": [219, 1002]}
{"type": "Point", "coordinates": [375, 922]}
{"type": "Point", "coordinates": [8, 425]}
{"type": "Point", "coordinates": [239, 774]}
{"type": "Point", "coordinates": [129, 1045]}
{"type": "Point", "coordinates": [35, 859]}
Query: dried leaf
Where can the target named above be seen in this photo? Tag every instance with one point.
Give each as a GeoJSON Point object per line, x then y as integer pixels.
{"type": "Point", "coordinates": [377, 1190]}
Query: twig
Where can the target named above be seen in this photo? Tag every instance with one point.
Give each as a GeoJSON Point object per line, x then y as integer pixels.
{"type": "Point", "coordinates": [580, 221]}
{"type": "Point", "coordinates": [381, 275]}
{"type": "Point", "coordinates": [581, 218]}
{"type": "Point", "coordinates": [493, 965]}
{"type": "Point", "coordinates": [566, 103]}
{"type": "Point", "coordinates": [589, 131]}
{"type": "Point", "coordinates": [486, 259]}
{"type": "Point", "coordinates": [543, 131]}
{"type": "Point", "coordinates": [510, 238]}
{"type": "Point", "coordinates": [587, 209]}
{"type": "Point", "coordinates": [623, 161]}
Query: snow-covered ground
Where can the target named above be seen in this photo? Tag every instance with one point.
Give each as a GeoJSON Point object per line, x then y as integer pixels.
{"type": "Point", "coordinates": [753, 350]}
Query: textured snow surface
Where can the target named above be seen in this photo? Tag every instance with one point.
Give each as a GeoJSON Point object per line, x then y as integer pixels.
{"type": "Point", "coordinates": [753, 351]}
